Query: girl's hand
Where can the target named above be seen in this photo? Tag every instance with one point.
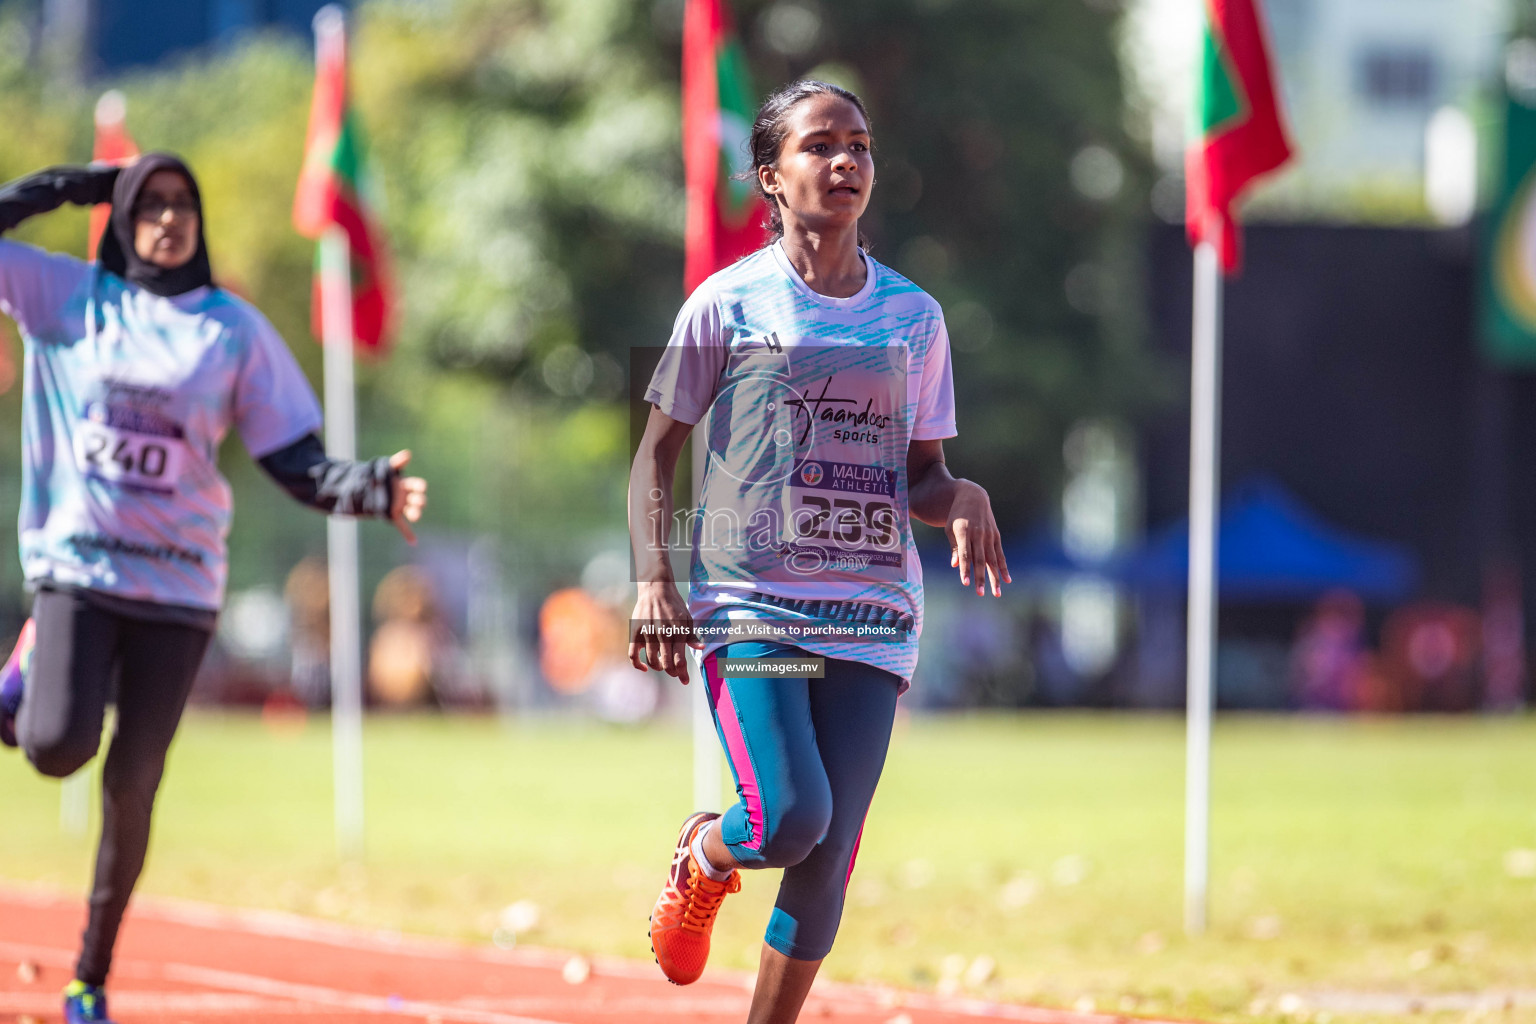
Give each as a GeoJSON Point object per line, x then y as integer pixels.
{"type": "Point", "coordinates": [410, 497]}
{"type": "Point", "coordinates": [974, 540]}
{"type": "Point", "coordinates": [661, 604]}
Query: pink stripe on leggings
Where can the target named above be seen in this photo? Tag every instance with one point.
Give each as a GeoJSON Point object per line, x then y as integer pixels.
{"type": "Point", "coordinates": [854, 856]}
{"type": "Point", "coordinates": [736, 750]}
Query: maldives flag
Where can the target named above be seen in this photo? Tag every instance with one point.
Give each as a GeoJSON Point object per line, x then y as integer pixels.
{"type": "Point", "coordinates": [725, 216]}
{"type": "Point", "coordinates": [332, 190]}
{"type": "Point", "coordinates": [113, 145]}
{"type": "Point", "coordinates": [1238, 130]}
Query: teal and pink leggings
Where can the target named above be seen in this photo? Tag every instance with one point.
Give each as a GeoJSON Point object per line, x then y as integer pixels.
{"type": "Point", "coordinates": [806, 755]}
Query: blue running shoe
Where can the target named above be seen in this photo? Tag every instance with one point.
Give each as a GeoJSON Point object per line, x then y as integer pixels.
{"type": "Point", "coordinates": [85, 1004]}
{"type": "Point", "coordinates": [12, 679]}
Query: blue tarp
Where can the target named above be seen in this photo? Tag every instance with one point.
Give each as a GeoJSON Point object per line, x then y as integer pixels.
{"type": "Point", "coordinates": [1272, 547]}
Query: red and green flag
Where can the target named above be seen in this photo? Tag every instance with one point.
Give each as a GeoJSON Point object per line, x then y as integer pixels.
{"type": "Point", "coordinates": [332, 191]}
{"type": "Point", "coordinates": [1238, 131]}
{"type": "Point", "coordinates": [725, 216]}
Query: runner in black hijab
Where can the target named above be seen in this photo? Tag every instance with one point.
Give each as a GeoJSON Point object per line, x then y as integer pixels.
{"type": "Point", "coordinates": [117, 250]}
{"type": "Point", "coordinates": [124, 513]}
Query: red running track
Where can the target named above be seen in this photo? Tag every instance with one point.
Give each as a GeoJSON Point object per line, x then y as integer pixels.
{"type": "Point", "coordinates": [181, 963]}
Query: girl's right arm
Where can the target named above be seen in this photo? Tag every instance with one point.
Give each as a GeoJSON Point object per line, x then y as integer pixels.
{"type": "Point", "coordinates": [52, 188]}
{"type": "Point", "coordinates": [680, 392]}
{"type": "Point", "coordinates": [36, 285]}
{"type": "Point", "coordinates": [650, 521]}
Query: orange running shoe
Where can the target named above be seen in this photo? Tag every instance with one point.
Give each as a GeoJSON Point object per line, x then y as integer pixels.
{"type": "Point", "coordinates": [684, 915]}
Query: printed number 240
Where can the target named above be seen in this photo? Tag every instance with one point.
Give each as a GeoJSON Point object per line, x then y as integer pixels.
{"type": "Point", "coordinates": [125, 457]}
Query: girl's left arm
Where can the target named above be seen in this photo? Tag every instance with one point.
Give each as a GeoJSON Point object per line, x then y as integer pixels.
{"type": "Point", "coordinates": [962, 507]}
{"type": "Point", "coordinates": [371, 488]}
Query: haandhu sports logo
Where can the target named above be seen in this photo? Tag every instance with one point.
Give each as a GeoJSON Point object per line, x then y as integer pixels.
{"type": "Point", "coordinates": [1514, 256]}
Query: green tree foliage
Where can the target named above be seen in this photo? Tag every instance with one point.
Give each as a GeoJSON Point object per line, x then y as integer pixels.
{"type": "Point", "coordinates": [527, 157]}
{"type": "Point", "coordinates": [533, 149]}
{"type": "Point", "coordinates": [1010, 190]}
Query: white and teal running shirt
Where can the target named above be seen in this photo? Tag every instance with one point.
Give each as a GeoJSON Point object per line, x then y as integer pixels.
{"type": "Point", "coordinates": [808, 404]}
{"type": "Point", "coordinates": [127, 398]}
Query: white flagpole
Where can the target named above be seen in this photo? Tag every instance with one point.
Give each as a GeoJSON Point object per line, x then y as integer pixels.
{"type": "Point", "coordinates": [341, 531]}
{"type": "Point", "coordinates": [1204, 487]}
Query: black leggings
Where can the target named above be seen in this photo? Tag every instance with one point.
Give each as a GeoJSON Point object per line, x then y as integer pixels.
{"type": "Point", "coordinates": [84, 655]}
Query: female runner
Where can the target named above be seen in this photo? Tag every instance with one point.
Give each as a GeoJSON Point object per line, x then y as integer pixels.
{"type": "Point", "coordinates": [823, 382]}
{"type": "Point", "coordinates": [137, 366]}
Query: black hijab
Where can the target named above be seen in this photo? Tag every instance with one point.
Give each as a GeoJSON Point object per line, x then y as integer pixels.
{"type": "Point", "coordinates": [117, 253]}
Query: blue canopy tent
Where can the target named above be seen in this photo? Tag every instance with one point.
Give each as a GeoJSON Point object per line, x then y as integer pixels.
{"type": "Point", "coordinates": [1271, 547]}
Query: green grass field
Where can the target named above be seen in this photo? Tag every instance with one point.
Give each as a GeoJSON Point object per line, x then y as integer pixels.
{"type": "Point", "coordinates": [1349, 856]}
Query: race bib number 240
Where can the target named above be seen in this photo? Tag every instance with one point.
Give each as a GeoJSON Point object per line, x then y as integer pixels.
{"type": "Point", "coordinates": [129, 458]}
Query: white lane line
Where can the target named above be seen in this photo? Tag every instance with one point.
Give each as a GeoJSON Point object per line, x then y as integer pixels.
{"type": "Point", "coordinates": [339, 999]}
{"type": "Point", "coordinates": [678, 1007]}
{"type": "Point", "coordinates": [278, 924]}
{"type": "Point", "coordinates": [162, 1003]}
{"type": "Point", "coordinates": [305, 998]}
{"type": "Point", "coordinates": [42, 955]}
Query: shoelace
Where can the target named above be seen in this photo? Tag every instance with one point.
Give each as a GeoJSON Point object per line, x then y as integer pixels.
{"type": "Point", "coordinates": [702, 902]}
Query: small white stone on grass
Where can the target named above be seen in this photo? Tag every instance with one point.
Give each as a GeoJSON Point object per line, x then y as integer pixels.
{"type": "Point", "coordinates": [867, 892]}
{"type": "Point", "coordinates": [1019, 891]}
{"type": "Point", "coordinates": [917, 873]}
{"type": "Point", "coordinates": [576, 970]}
{"type": "Point", "coordinates": [1291, 1004]}
{"type": "Point", "coordinates": [1265, 927]}
{"type": "Point", "coordinates": [1520, 863]}
{"type": "Point", "coordinates": [982, 970]}
{"type": "Point", "coordinates": [522, 916]}
{"type": "Point", "coordinates": [1070, 870]}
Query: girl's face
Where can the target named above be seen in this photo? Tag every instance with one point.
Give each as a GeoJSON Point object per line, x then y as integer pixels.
{"type": "Point", "coordinates": [165, 221]}
{"type": "Point", "coordinates": [825, 170]}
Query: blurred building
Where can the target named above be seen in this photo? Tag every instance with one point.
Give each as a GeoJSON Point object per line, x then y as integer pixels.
{"type": "Point", "coordinates": [84, 38]}
{"type": "Point", "coordinates": [1362, 78]}
{"type": "Point", "coordinates": [1360, 81]}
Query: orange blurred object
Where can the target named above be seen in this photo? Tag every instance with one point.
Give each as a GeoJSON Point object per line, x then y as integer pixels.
{"type": "Point", "coordinates": [575, 631]}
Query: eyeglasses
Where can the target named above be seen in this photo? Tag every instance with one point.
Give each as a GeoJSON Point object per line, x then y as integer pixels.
{"type": "Point", "coordinates": [153, 208]}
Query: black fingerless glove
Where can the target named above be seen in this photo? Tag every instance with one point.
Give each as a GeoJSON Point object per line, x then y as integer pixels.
{"type": "Point", "coordinates": [343, 486]}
